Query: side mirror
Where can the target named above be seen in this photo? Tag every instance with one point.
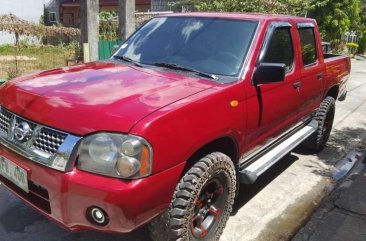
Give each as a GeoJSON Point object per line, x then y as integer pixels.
{"type": "Point", "coordinates": [269, 73]}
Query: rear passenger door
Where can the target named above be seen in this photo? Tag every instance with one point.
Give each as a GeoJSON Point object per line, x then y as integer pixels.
{"type": "Point", "coordinates": [312, 68]}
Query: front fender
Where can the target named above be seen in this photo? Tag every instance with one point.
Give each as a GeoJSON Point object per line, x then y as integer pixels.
{"type": "Point", "coordinates": [177, 131]}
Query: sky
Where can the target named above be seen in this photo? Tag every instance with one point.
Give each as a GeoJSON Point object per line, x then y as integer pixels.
{"type": "Point", "coordinates": [30, 10]}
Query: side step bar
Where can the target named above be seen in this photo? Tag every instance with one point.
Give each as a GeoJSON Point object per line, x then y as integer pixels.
{"type": "Point", "coordinates": [250, 173]}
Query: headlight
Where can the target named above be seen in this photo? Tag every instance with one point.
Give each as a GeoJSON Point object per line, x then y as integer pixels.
{"type": "Point", "coordinates": [131, 147]}
{"type": "Point", "coordinates": [102, 149]}
{"type": "Point", "coordinates": [115, 155]}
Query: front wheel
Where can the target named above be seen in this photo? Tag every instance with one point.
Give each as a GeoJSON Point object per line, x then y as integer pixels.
{"type": "Point", "coordinates": [202, 202]}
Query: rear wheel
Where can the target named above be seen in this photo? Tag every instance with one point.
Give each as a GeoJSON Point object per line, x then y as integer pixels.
{"type": "Point", "coordinates": [202, 202]}
{"type": "Point", "coordinates": [325, 118]}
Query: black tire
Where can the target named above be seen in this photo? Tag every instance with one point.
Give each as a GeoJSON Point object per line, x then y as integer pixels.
{"type": "Point", "coordinates": [325, 117]}
{"type": "Point", "coordinates": [201, 204]}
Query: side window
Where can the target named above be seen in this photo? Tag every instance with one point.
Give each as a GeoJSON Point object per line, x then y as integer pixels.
{"type": "Point", "coordinates": [280, 49]}
{"type": "Point", "coordinates": [308, 46]}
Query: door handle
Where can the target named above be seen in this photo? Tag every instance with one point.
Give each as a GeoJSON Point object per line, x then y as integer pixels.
{"type": "Point", "coordinates": [297, 85]}
{"type": "Point", "coordinates": [319, 76]}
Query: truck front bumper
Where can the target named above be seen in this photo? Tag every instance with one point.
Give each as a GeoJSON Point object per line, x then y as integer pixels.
{"type": "Point", "coordinates": [66, 198]}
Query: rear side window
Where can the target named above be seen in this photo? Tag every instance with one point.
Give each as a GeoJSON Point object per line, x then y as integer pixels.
{"type": "Point", "coordinates": [308, 46]}
{"type": "Point", "coordinates": [280, 49]}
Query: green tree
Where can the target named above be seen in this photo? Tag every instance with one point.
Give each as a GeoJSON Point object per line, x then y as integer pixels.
{"type": "Point", "coordinates": [362, 32]}
{"type": "Point", "coordinates": [270, 6]}
{"type": "Point", "coordinates": [41, 20]}
{"type": "Point", "coordinates": [108, 28]}
{"type": "Point", "coordinates": [294, 7]}
{"type": "Point", "coordinates": [336, 17]}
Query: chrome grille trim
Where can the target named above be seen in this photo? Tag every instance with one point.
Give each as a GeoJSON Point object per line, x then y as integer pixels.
{"type": "Point", "coordinates": [5, 121]}
{"type": "Point", "coordinates": [45, 145]}
{"type": "Point", "coordinates": [49, 141]}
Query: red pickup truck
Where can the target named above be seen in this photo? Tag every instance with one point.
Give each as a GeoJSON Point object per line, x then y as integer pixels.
{"type": "Point", "coordinates": [187, 108]}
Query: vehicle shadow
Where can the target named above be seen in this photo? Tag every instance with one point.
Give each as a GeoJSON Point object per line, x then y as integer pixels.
{"type": "Point", "coordinates": [339, 144]}
{"type": "Point", "coordinates": [248, 191]}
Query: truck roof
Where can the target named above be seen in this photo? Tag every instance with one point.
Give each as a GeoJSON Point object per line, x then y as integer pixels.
{"type": "Point", "coordinates": [244, 16]}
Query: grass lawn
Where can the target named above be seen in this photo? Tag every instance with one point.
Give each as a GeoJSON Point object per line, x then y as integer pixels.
{"type": "Point", "coordinates": [40, 57]}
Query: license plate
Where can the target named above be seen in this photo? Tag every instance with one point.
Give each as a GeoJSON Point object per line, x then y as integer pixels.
{"type": "Point", "coordinates": [14, 173]}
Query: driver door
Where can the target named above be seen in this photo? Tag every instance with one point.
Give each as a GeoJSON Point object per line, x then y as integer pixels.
{"type": "Point", "coordinates": [273, 107]}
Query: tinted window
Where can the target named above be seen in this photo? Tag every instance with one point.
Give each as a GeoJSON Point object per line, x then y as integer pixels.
{"type": "Point", "coordinates": [212, 45]}
{"type": "Point", "coordinates": [308, 46]}
{"type": "Point", "coordinates": [280, 49]}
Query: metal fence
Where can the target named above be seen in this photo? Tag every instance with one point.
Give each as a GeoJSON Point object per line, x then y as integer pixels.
{"type": "Point", "coordinates": [106, 47]}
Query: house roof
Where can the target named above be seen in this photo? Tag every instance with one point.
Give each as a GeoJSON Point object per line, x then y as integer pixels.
{"type": "Point", "coordinates": [76, 3]}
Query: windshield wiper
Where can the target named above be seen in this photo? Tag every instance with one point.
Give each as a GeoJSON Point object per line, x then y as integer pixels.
{"type": "Point", "coordinates": [185, 68]}
{"type": "Point", "coordinates": [127, 59]}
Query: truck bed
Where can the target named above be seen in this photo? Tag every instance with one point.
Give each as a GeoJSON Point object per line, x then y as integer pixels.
{"type": "Point", "coordinates": [337, 69]}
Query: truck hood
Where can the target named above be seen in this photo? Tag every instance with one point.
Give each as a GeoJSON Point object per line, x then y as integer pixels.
{"type": "Point", "coordinates": [101, 96]}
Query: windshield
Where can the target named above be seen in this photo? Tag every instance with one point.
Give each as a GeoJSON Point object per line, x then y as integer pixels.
{"type": "Point", "coordinates": [210, 45]}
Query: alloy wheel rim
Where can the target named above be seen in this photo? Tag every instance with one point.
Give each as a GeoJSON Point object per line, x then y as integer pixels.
{"type": "Point", "coordinates": [208, 207]}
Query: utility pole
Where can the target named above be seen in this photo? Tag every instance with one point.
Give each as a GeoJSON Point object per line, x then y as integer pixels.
{"type": "Point", "coordinates": [126, 18]}
{"type": "Point", "coordinates": [90, 29]}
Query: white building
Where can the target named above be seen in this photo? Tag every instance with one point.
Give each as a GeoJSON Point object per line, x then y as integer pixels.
{"type": "Point", "coordinates": [24, 9]}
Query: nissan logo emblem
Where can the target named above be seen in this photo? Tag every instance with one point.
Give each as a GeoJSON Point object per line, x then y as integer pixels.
{"type": "Point", "coordinates": [22, 131]}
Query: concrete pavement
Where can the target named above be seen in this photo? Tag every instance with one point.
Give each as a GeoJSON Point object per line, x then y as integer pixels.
{"type": "Point", "coordinates": [274, 208]}
{"type": "Point", "coordinates": [342, 216]}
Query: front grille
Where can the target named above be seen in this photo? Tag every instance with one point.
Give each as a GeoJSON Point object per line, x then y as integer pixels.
{"type": "Point", "coordinates": [36, 142]}
{"type": "Point", "coordinates": [49, 141]}
{"type": "Point", "coordinates": [43, 139]}
{"type": "Point", "coordinates": [5, 119]}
